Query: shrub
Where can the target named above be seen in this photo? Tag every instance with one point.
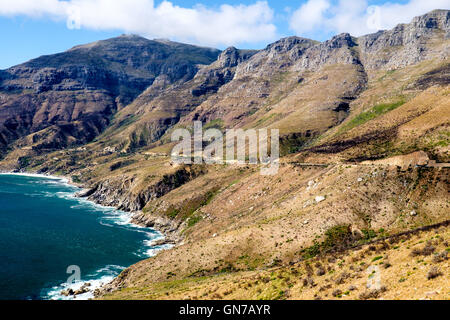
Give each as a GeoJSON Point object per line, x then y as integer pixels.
{"type": "Point", "coordinates": [373, 294]}
{"type": "Point", "coordinates": [377, 258]}
{"type": "Point", "coordinates": [194, 220]}
{"type": "Point", "coordinates": [425, 251]}
{"type": "Point", "coordinates": [336, 238]}
{"type": "Point", "coordinates": [337, 293]}
{"type": "Point", "coordinates": [440, 257]}
{"type": "Point", "coordinates": [320, 271]}
{"type": "Point", "coordinates": [433, 273]}
{"type": "Point", "coordinates": [373, 113]}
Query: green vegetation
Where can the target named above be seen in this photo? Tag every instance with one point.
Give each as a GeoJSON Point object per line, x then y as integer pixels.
{"type": "Point", "coordinates": [140, 140]}
{"type": "Point", "coordinates": [76, 179]}
{"type": "Point", "coordinates": [121, 164]}
{"type": "Point", "coordinates": [194, 220]}
{"type": "Point", "coordinates": [24, 161]}
{"type": "Point", "coordinates": [338, 238]}
{"type": "Point", "coordinates": [292, 144]}
{"type": "Point", "coordinates": [334, 237]}
{"type": "Point", "coordinates": [388, 74]}
{"type": "Point", "coordinates": [172, 212]}
{"type": "Point", "coordinates": [190, 207]}
{"type": "Point", "coordinates": [266, 120]}
{"type": "Point", "coordinates": [377, 258]}
{"type": "Point", "coordinates": [373, 113]}
{"type": "Point", "coordinates": [214, 124]}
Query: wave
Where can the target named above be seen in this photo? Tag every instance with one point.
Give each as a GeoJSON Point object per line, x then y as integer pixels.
{"type": "Point", "coordinates": [108, 216]}
{"type": "Point", "coordinates": [93, 281]}
{"type": "Point", "coordinates": [155, 249]}
{"type": "Point", "coordinates": [35, 175]}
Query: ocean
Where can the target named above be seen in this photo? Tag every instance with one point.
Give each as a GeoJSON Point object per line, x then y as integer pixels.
{"type": "Point", "coordinates": [47, 235]}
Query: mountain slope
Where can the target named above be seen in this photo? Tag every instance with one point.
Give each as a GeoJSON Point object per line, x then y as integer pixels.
{"type": "Point", "coordinates": [69, 98]}
{"type": "Point", "coordinates": [296, 85]}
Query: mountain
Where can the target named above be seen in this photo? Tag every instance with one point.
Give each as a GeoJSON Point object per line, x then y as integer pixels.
{"type": "Point", "coordinates": [69, 98]}
{"type": "Point", "coordinates": [364, 132]}
{"type": "Point", "coordinates": [293, 83]}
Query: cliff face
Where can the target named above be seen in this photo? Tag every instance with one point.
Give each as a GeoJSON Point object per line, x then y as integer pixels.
{"type": "Point", "coordinates": [69, 98]}
{"type": "Point", "coordinates": [425, 37]}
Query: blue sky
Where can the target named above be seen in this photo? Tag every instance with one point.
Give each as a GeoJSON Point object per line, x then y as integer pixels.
{"type": "Point", "coordinates": [30, 28]}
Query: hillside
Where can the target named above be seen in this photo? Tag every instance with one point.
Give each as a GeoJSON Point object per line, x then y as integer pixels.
{"type": "Point", "coordinates": [364, 127]}
{"type": "Point", "coordinates": [412, 266]}
{"type": "Point", "coordinates": [69, 98]}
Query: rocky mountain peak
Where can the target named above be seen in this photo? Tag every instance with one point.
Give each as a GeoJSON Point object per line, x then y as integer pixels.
{"type": "Point", "coordinates": [87, 84]}
{"type": "Point", "coordinates": [231, 57]}
{"type": "Point", "coordinates": [341, 40]}
{"type": "Point", "coordinates": [437, 19]}
{"type": "Point", "coordinates": [406, 44]}
{"type": "Point", "coordinates": [337, 50]}
{"type": "Point", "coordinates": [286, 44]}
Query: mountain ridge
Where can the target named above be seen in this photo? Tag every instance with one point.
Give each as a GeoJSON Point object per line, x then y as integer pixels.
{"type": "Point", "coordinates": [112, 72]}
{"type": "Point", "coordinates": [107, 65]}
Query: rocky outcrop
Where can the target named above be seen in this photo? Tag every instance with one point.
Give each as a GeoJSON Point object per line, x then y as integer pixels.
{"type": "Point", "coordinates": [119, 192]}
{"type": "Point", "coordinates": [275, 57]}
{"type": "Point", "coordinates": [169, 227]}
{"type": "Point", "coordinates": [164, 104]}
{"type": "Point", "coordinates": [220, 72]}
{"type": "Point", "coordinates": [338, 50]}
{"type": "Point", "coordinates": [407, 44]}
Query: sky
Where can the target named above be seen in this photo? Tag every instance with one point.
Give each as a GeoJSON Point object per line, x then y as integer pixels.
{"type": "Point", "coordinates": [31, 28]}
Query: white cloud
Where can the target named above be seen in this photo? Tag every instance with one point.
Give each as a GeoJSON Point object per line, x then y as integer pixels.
{"type": "Point", "coordinates": [225, 25]}
{"type": "Point", "coordinates": [309, 16]}
{"type": "Point", "coordinates": [319, 17]}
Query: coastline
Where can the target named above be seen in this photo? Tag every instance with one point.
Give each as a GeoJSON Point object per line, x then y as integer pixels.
{"type": "Point", "coordinates": [38, 175]}
{"type": "Point", "coordinates": [86, 290]}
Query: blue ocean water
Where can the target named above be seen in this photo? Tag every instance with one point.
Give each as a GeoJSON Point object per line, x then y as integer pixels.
{"type": "Point", "coordinates": [44, 229]}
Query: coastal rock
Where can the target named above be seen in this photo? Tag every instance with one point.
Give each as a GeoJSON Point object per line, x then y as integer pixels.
{"type": "Point", "coordinates": [68, 292]}
{"type": "Point", "coordinates": [117, 192]}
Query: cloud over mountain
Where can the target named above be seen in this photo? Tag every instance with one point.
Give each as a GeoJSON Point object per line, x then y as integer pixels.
{"type": "Point", "coordinates": [223, 25]}
{"type": "Point", "coordinates": [356, 16]}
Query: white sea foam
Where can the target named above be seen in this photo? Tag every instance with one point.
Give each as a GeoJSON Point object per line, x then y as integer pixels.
{"type": "Point", "coordinates": [110, 217]}
{"type": "Point", "coordinates": [155, 249]}
{"type": "Point", "coordinates": [35, 175]}
{"type": "Point", "coordinates": [106, 274]}
{"type": "Point", "coordinates": [97, 280]}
